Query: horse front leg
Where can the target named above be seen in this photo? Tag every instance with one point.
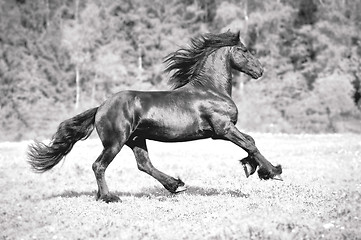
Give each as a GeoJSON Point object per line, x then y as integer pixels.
{"type": "Point", "coordinates": [249, 163]}
{"type": "Point", "coordinates": [140, 151]}
{"type": "Point", "coordinates": [255, 158]}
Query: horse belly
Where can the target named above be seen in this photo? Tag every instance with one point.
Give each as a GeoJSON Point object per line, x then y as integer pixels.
{"type": "Point", "coordinates": [173, 127]}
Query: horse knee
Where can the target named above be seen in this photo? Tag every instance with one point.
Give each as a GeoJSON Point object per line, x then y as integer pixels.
{"type": "Point", "coordinates": [251, 148]}
{"type": "Point", "coordinates": [145, 166]}
{"type": "Point", "coordinates": [105, 158]}
{"type": "Point", "coordinates": [97, 168]}
{"type": "Point", "coordinates": [142, 167]}
{"type": "Point", "coordinates": [249, 138]}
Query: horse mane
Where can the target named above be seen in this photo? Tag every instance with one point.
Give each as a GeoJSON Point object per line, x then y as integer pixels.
{"type": "Point", "coordinates": [188, 62]}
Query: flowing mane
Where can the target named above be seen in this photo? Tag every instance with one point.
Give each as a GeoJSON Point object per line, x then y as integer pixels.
{"type": "Point", "coordinates": [187, 63]}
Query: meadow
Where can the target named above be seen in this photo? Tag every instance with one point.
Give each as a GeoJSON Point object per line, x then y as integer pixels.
{"type": "Point", "coordinates": [320, 197]}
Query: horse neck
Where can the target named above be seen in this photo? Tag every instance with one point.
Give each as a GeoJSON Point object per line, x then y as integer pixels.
{"type": "Point", "coordinates": [217, 70]}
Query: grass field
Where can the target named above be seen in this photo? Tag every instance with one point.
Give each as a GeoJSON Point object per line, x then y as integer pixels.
{"type": "Point", "coordinates": [320, 197]}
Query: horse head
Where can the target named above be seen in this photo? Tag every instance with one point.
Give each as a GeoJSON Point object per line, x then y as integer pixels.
{"type": "Point", "coordinates": [243, 61]}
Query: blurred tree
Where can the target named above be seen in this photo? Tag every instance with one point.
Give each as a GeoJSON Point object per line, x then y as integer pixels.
{"type": "Point", "coordinates": [79, 37]}
{"type": "Point", "coordinates": [31, 67]}
{"type": "Point", "coordinates": [332, 100]}
{"type": "Point", "coordinates": [307, 13]}
{"type": "Point", "coordinates": [57, 54]}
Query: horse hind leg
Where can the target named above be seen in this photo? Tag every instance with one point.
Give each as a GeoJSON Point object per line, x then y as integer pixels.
{"type": "Point", "coordinates": [140, 151]}
{"type": "Point", "coordinates": [99, 167]}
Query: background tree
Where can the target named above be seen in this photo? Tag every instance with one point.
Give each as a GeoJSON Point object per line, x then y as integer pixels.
{"type": "Point", "coordinates": [57, 55]}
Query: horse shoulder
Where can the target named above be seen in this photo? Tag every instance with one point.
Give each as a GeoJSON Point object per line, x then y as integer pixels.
{"type": "Point", "coordinates": [220, 112]}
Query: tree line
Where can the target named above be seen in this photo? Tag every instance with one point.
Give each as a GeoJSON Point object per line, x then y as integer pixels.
{"type": "Point", "coordinates": [61, 57]}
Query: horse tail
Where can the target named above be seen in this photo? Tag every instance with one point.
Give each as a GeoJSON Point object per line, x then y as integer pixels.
{"type": "Point", "coordinates": [43, 157]}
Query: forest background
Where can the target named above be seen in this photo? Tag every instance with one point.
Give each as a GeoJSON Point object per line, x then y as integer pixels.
{"type": "Point", "coordinates": [58, 58]}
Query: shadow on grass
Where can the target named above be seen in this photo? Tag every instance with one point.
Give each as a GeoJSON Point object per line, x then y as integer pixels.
{"type": "Point", "coordinates": [160, 192]}
{"type": "Point", "coordinates": [200, 191]}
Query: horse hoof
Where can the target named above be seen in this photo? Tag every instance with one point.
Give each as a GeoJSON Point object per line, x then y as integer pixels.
{"type": "Point", "coordinates": [264, 174]}
{"type": "Point", "coordinates": [180, 189]}
{"type": "Point", "coordinates": [109, 198]}
{"type": "Point", "coordinates": [277, 177]}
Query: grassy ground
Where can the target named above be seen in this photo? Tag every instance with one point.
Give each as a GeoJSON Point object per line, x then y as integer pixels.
{"type": "Point", "coordinates": [319, 198]}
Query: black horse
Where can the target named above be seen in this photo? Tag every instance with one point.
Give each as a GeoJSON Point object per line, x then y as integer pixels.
{"type": "Point", "coordinates": [199, 106]}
